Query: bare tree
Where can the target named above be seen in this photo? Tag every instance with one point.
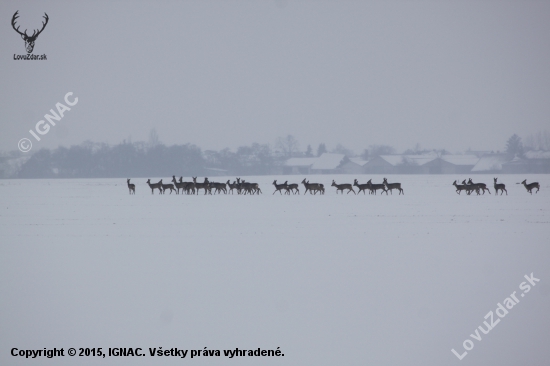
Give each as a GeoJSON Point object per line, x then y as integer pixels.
{"type": "Point", "coordinates": [381, 150]}
{"type": "Point", "coordinates": [153, 138]}
{"type": "Point", "coordinates": [288, 145]}
{"type": "Point", "coordinates": [341, 149]}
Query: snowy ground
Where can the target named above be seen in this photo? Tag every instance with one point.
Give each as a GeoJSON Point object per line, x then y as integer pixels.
{"type": "Point", "coordinates": [331, 280]}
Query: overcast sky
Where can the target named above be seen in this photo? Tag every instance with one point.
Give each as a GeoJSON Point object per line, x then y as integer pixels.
{"type": "Point", "coordinates": [444, 74]}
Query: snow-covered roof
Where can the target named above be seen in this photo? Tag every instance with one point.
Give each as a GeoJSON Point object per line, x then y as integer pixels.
{"type": "Point", "coordinates": [300, 161]}
{"type": "Point", "coordinates": [358, 161]}
{"type": "Point", "coordinates": [537, 154]}
{"type": "Point", "coordinates": [408, 159]}
{"type": "Point", "coordinates": [461, 159]}
{"type": "Point", "coordinates": [490, 162]}
{"type": "Point", "coordinates": [328, 161]}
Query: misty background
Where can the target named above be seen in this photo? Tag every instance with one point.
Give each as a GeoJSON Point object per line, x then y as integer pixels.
{"type": "Point", "coordinates": [226, 74]}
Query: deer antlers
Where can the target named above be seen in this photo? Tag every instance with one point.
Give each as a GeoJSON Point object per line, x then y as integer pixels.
{"type": "Point", "coordinates": [25, 35]}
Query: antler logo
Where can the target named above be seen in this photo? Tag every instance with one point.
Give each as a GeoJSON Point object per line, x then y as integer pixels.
{"type": "Point", "coordinates": [29, 40]}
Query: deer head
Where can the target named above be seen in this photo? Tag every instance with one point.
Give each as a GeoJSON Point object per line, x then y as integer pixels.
{"type": "Point", "coordinates": [29, 40]}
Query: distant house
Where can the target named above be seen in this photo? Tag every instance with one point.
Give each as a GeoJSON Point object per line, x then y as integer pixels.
{"type": "Point", "coordinates": [298, 165]}
{"type": "Point", "coordinates": [537, 162]}
{"type": "Point", "coordinates": [400, 164]}
{"type": "Point", "coordinates": [329, 163]}
{"type": "Point", "coordinates": [452, 164]}
{"type": "Point", "coordinates": [491, 163]}
{"type": "Point", "coordinates": [353, 166]}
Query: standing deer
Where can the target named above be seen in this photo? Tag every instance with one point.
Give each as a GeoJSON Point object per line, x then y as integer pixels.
{"type": "Point", "coordinates": [219, 187]}
{"type": "Point", "coordinates": [232, 186]}
{"type": "Point", "coordinates": [154, 186]}
{"type": "Point", "coordinates": [178, 185]}
{"type": "Point", "coordinates": [131, 187]}
{"type": "Point", "coordinates": [250, 187]}
{"type": "Point", "coordinates": [529, 187]}
{"type": "Point", "coordinates": [341, 187]}
{"type": "Point", "coordinates": [391, 186]}
{"type": "Point", "coordinates": [313, 187]}
{"type": "Point", "coordinates": [203, 185]}
{"type": "Point", "coordinates": [500, 186]}
{"type": "Point", "coordinates": [188, 187]}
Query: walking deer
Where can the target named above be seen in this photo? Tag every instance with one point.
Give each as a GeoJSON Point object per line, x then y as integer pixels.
{"type": "Point", "coordinates": [375, 187]}
{"type": "Point", "coordinates": [341, 187]}
{"type": "Point", "coordinates": [500, 186]}
{"type": "Point", "coordinates": [361, 187]}
{"type": "Point", "coordinates": [460, 188]}
{"type": "Point", "coordinates": [131, 187]}
{"type": "Point", "coordinates": [166, 187]}
{"type": "Point", "coordinates": [529, 187]}
{"type": "Point", "coordinates": [313, 187]}
{"type": "Point", "coordinates": [293, 187]}
{"type": "Point", "coordinates": [482, 186]}
{"type": "Point", "coordinates": [154, 186]}
{"type": "Point", "coordinates": [279, 187]}
{"type": "Point", "coordinates": [391, 186]}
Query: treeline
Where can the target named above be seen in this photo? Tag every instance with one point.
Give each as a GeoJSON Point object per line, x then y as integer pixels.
{"type": "Point", "coordinates": [93, 160]}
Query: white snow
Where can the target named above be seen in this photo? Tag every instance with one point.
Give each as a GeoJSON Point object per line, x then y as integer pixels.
{"type": "Point", "coordinates": [331, 280]}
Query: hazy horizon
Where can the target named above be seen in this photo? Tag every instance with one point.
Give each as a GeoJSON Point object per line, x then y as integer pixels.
{"type": "Point", "coordinates": [452, 75]}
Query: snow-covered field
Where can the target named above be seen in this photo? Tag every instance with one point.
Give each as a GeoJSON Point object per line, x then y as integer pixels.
{"type": "Point", "coordinates": [331, 280]}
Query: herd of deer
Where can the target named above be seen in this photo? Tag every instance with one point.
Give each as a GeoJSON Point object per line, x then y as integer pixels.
{"type": "Point", "coordinates": [194, 187]}
{"type": "Point", "coordinates": [243, 187]}
{"type": "Point", "coordinates": [470, 187]}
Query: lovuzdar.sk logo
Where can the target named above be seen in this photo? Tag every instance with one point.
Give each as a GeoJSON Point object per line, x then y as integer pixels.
{"type": "Point", "coordinates": [29, 40]}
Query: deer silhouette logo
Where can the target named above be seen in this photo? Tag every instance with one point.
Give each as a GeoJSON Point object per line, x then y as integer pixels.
{"type": "Point", "coordinates": [29, 40]}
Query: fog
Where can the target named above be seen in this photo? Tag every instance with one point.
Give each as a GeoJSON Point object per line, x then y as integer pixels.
{"type": "Point", "coordinates": [218, 74]}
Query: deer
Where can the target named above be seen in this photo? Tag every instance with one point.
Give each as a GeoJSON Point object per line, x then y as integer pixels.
{"type": "Point", "coordinates": [203, 185]}
{"type": "Point", "coordinates": [131, 187]}
{"type": "Point", "coordinates": [469, 188]}
{"type": "Point", "coordinates": [391, 186]}
{"type": "Point", "coordinates": [232, 186]}
{"type": "Point", "coordinates": [293, 187]}
{"type": "Point", "coordinates": [313, 187]}
{"type": "Point", "coordinates": [166, 187]}
{"type": "Point", "coordinates": [178, 185]}
{"type": "Point", "coordinates": [188, 187]}
{"type": "Point", "coordinates": [29, 40]}
{"type": "Point", "coordinates": [460, 188]}
{"type": "Point", "coordinates": [219, 187]}
{"type": "Point", "coordinates": [529, 187]}
{"type": "Point", "coordinates": [361, 187]}
{"type": "Point", "coordinates": [250, 187]}
{"type": "Point", "coordinates": [154, 186]}
{"type": "Point", "coordinates": [482, 186]}
{"type": "Point", "coordinates": [279, 187]}
{"type": "Point", "coordinates": [341, 187]}
{"type": "Point", "coordinates": [500, 186]}
{"type": "Point", "coordinates": [375, 187]}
